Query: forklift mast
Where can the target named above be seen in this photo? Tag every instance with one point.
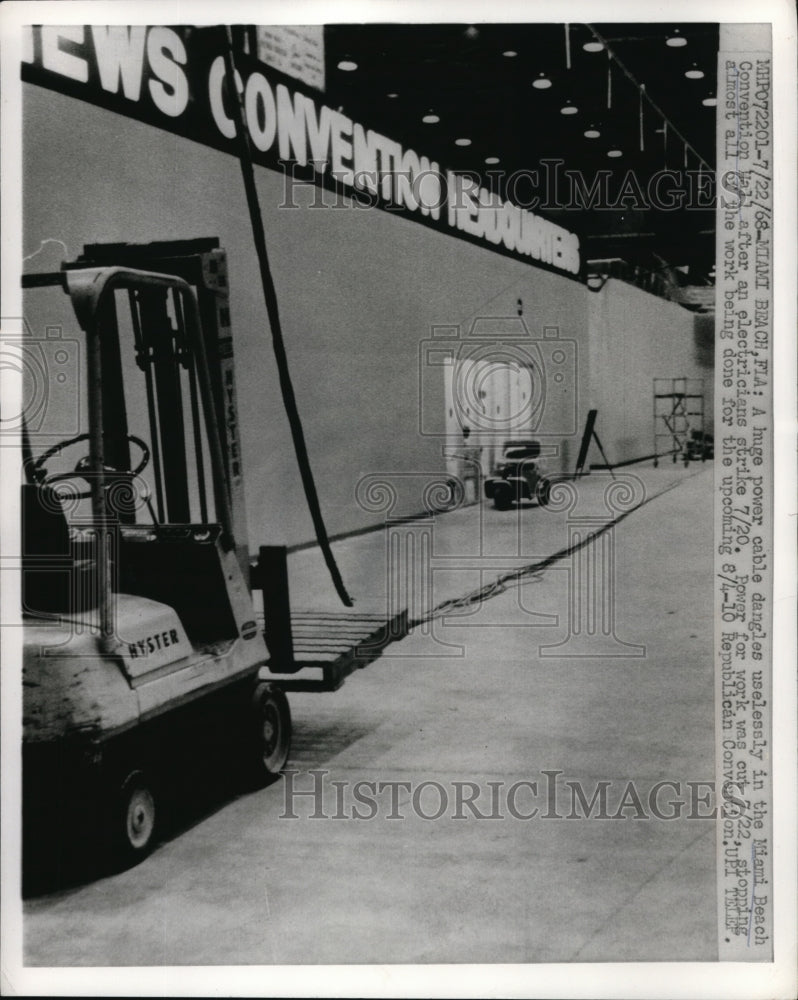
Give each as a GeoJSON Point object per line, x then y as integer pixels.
{"type": "Point", "coordinates": [203, 265]}
{"type": "Point", "coordinates": [188, 551]}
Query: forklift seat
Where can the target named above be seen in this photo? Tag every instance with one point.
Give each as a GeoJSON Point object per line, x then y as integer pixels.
{"type": "Point", "coordinates": [187, 575]}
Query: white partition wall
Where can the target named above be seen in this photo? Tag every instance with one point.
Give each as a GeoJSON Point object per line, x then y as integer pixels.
{"type": "Point", "coordinates": [366, 299]}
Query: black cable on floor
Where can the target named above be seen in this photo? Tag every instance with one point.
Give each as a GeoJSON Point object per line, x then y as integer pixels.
{"type": "Point", "coordinates": [532, 571]}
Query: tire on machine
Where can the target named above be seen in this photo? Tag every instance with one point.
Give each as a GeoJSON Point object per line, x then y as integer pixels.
{"type": "Point", "coordinates": [269, 734]}
{"type": "Point", "coordinates": [132, 820]}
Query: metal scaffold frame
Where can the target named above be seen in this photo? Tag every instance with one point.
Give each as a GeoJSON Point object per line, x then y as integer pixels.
{"type": "Point", "coordinates": [679, 418]}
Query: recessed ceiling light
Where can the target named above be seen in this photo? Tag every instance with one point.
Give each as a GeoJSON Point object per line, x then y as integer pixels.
{"type": "Point", "coordinates": [542, 82]}
{"type": "Point", "coordinates": [430, 119]}
{"type": "Point", "coordinates": [462, 142]}
{"type": "Point", "coordinates": [492, 159]}
{"type": "Point", "coordinates": [347, 65]}
{"type": "Point", "coordinates": [592, 133]}
{"type": "Point", "coordinates": [593, 46]}
{"type": "Point", "coordinates": [569, 109]}
{"type": "Point", "coordinates": [392, 95]}
{"type": "Point", "coordinates": [710, 102]}
{"type": "Point", "coordinates": [676, 41]}
{"type": "Point", "coordinates": [614, 153]}
{"type": "Point", "coordinates": [694, 74]}
{"type": "Point", "coordinates": [509, 54]}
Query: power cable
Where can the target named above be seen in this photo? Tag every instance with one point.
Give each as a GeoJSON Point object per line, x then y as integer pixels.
{"type": "Point", "coordinates": [272, 310]}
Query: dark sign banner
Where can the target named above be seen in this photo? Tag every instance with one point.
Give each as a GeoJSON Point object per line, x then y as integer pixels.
{"type": "Point", "coordinates": [174, 78]}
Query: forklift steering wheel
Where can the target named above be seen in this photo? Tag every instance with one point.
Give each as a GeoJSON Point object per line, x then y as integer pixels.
{"type": "Point", "coordinates": [83, 467]}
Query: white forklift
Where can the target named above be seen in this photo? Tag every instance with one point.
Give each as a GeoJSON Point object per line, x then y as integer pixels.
{"type": "Point", "coordinates": [143, 650]}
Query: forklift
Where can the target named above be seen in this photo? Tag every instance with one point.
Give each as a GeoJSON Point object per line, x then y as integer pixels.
{"type": "Point", "coordinates": [144, 647]}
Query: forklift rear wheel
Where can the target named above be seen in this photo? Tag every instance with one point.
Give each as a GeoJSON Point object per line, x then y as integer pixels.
{"type": "Point", "coordinates": [272, 733]}
{"type": "Point", "coordinates": [133, 820]}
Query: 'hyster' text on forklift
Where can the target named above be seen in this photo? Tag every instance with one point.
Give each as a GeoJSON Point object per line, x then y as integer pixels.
{"type": "Point", "coordinates": [142, 642]}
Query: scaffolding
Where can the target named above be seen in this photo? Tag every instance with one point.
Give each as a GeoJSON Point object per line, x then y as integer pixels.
{"type": "Point", "coordinates": [679, 428]}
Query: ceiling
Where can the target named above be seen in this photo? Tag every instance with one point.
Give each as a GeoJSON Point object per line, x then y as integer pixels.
{"type": "Point", "coordinates": [478, 82]}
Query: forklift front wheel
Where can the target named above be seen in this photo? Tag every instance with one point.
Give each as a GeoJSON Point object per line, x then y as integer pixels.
{"type": "Point", "coordinates": [133, 820]}
{"type": "Point", "coordinates": [272, 733]}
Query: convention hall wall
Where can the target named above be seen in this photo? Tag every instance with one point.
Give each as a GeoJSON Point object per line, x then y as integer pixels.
{"type": "Point", "coordinates": [634, 338]}
{"type": "Point", "coordinates": [360, 292]}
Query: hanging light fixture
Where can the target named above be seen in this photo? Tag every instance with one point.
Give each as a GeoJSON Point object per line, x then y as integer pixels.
{"type": "Point", "coordinates": [568, 109]}
{"type": "Point", "coordinates": [347, 65]}
{"type": "Point", "coordinates": [490, 160]}
{"type": "Point", "coordinates": [710, 102]}
{"type": "Point", "coordinates": [694, 73]}
{"type": "Point", "coordinates": [676, 41]}
{"type": "Point", "coordinates": [614, 153]}
{"type": "Point", "coordinates": [542, 82]}
{"type": "Point", "coordinates": [592, 133]}
{"type": "Point", "coordinates": [462, 142]}
{"type": "Point", "coordinates": [593, 46]}
{"type": "Point", "coordinates": [430, 118]}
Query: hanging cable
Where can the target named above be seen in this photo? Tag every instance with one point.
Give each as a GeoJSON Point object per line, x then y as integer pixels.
{"type": "Point", "coordinates": [272, 310]}
{"type": "Point", "coordinates": [600, 38]}
{"type": "Point", "coordinates": [640, 114]}
{"type": "Point", "coordinates": [27, 455]}
{"type": "Point", "coordinates": [609, 79]}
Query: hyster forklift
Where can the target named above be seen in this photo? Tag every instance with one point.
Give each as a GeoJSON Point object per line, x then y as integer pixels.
{"type": "Point", "coordinates": [143, 649]}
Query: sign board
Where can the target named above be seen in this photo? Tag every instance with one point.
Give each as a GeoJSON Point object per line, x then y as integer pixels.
{"type": "Point", "coordinates": [174, 79]}
{"type": "Point", "coordinates": [295, 51]}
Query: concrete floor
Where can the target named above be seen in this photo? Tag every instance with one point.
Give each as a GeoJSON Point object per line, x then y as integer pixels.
{"type": "Point", "coordinates": [241, 885]}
